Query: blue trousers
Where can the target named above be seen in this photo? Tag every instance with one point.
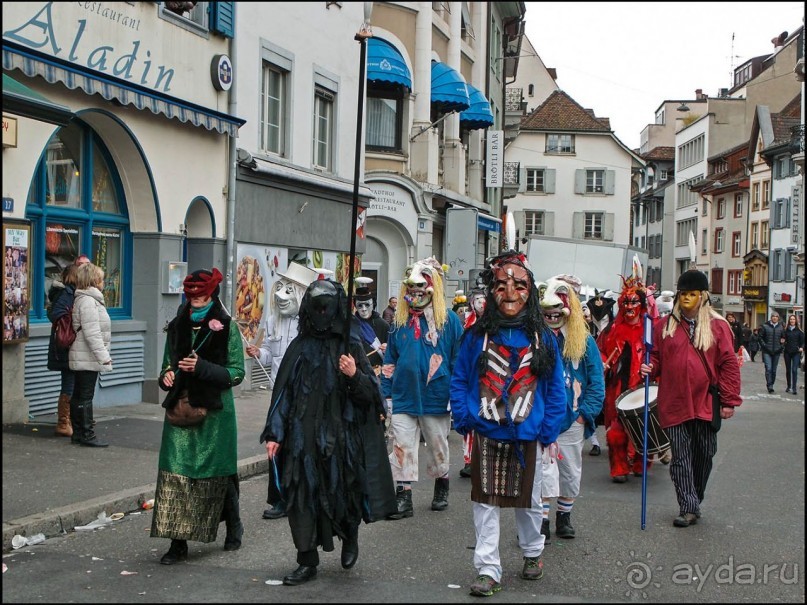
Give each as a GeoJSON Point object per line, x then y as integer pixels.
{"type": "Point", "coordinates": [770, 361]}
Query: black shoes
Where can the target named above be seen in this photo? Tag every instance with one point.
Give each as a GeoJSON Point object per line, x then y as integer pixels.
{"type": "Point", "coordinates": [545, 531]}
{"type": "Point", "coordinates": [350, 549]}
{"type": "Point", "coordinates": [301, 575]}
{"type": "Point", "coordinates": [686, 519]}
{"type": "Point", "coordinates": [94, 442]}
{"type": "Point", "coordinates": [277, 511]}
{"type": "Point", "coordinates": [563, 525]}
{"type": "Point", "coordinates": [620, 479]}
{"type": "Point", "coordinates": [177, 552]}
{"type": "Point", "coordinates": [440, 500]}
{"type": "Point", "coordinates": [465, 471]}
{"type": "Point", "coordinates": [403, 500]}
{"type": "Point", "coordinates": [595, 450]}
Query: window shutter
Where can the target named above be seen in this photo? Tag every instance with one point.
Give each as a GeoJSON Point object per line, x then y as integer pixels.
{"type": "Point", "coordinates": [521, 225]}
{"type": "Point", "coordinates": [222, 18]}
{"type": "Point", "coordinates": [608, 227]}
{"type": "Point", "coordinates": [578, 224]}
{"type": "Point", "coordinates": [522, 178]}
{"type": "Point", "coordinates": [549, 180]}
{"type": "Point", "coordinates": [549, 223]}
{"type": "Point", "coordinates": [580, 183]}
{"type": "Point", "coordinates": [786, 213]}
{"type": "Point", "coordinates": [610, 179]}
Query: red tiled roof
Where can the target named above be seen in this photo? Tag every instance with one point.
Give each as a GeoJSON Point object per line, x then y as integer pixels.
{"type": "Point", "coordinates": [792, 109]}
{"type": "Point", "coordinates": [660, 153]}
{"type": "Point", "coordinates": [782, 128]}
{"type": "Point", "coordinates": [561, 112]}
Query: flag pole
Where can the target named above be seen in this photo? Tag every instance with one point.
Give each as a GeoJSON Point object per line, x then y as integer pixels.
{"type": "Point", "coordinates": [648, 345]}
{"type": "Point", "coordinates": [361, 37]}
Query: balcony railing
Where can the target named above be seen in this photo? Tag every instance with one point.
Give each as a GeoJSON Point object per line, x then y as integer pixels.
{"type": "Point", "coordinates": [510, 174]}
{"type": "Point", "coordinates": [797, 138]}
{"type": "Point", "coordinates": [513, 99]}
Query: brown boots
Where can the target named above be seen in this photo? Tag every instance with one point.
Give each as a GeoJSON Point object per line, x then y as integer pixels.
{"type": "Point", "coordinates": [63, 426]}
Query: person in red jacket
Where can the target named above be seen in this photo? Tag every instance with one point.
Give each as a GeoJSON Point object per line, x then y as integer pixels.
{"type": "Point", "coordinates": [694, 348]}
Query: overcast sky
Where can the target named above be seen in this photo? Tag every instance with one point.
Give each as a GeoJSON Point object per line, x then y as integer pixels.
{"type": "Point", "coordinates": [622, 59]}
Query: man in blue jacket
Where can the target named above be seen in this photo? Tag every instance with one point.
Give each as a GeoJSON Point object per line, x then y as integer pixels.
{"type": "Point", "coordinates": [421, 348]}
{"type": "Point", "coordinates": [508, 387]}
{"type": "Point", "coordinates": [585, 392]}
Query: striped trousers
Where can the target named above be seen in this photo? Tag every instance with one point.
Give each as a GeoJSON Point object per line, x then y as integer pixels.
{"type": "Point", "coordinates": [694, 444]}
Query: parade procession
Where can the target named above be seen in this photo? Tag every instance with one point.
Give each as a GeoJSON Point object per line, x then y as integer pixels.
{"type": "Point", "coordinates": [285, 280]}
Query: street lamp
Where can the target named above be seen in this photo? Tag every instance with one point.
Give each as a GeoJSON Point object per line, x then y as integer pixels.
{"type": "Point", "coordinates": [365, 32]}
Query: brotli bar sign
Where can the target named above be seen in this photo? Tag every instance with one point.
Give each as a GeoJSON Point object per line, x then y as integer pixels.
{"type": "Point", "coordinates": [494, 164]}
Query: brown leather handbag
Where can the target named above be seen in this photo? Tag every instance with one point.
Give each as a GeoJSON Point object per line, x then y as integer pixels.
{"type": "Point", "coordinates": [182, 413]}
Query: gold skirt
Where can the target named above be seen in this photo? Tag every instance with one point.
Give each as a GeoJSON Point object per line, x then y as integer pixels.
{"type": "Point", "coordinates": [497, 478]}
{"type": "Point", "coordinates": [188, 509]}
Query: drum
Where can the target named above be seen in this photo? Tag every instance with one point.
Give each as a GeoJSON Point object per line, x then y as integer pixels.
{"type": "Point", "coordinates": [630, 409]}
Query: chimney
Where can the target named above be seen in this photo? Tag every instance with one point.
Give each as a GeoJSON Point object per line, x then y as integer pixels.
{"type": "Point", "coordinates": [699, 94]}
{"type": "Point", "coordinates": [779, 40]}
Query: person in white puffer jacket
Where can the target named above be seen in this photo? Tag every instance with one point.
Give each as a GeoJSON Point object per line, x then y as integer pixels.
{"type": "Point", "coordinates": [90, 353]}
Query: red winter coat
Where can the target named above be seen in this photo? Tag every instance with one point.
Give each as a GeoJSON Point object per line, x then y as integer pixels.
{"type": "Point", "coordinates": [683, 382]}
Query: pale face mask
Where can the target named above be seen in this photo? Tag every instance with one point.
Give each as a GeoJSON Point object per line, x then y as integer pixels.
{"type": "Point", "coordinates": [364, 308]}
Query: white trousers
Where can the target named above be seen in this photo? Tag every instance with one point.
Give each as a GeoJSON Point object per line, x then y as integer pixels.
{"type": "Point", "coordinates": [528, 525]}
{"type": "Point", "coordinates": [406, 431]}
{"type": "Point", "coordinates": [562, 476]}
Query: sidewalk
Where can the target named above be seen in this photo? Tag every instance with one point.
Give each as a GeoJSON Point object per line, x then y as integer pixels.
{"type": "Point", "coordinates": [51, 485]}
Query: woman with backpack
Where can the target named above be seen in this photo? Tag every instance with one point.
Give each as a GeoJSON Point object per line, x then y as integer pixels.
{"type": "Point", "coordinates": [90, 353]}
{"type": "Point", "coordinates": [60, 298]}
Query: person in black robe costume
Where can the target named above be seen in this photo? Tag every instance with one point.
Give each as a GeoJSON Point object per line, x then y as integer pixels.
{"type": "Point", "coordinates": [324, 435]}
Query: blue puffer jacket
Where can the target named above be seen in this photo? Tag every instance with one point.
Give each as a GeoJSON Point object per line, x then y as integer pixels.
{"type": "Point", "coordinates": [416, 374]}
{"type": "Point", "coordinates": [549, 404]}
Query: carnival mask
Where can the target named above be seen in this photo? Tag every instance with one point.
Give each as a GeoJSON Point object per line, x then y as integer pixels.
{"type": "Point", "coordinates": [478, 304]}
{"type": "Point", "coordinates": [511, 288]}
{"type": "Point", "coordinates": [285, 296]}
{"type": "Point", "coordinates": [419, 283]}
{"type": "Point", "coordinates": [323, 305]}
{"type": "Point", "coordinates": [689, 301]}
{"type": "Point", "coordinates": [631, 306]}
{"type": "Point", "coordinates": [364, 308]}
{"type": "Point", "coordinates": [555, 303]}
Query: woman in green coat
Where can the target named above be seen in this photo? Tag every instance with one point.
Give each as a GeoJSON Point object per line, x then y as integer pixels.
{"type": "Point", "coordinates": [197, 483]}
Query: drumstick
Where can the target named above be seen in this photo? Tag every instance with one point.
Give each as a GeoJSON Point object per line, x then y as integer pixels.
{"type": "Point", "coordinates": [611, 356]}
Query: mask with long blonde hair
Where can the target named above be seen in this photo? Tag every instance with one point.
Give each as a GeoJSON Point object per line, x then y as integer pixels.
{"type": "Point", "coordinates": [703, 338]}
{"type": "Point", "coordinates": [422, 292]}
{"type": "Point", "coordinates": [562, 311]}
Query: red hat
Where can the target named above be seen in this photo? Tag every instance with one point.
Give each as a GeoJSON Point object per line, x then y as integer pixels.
{"type": "Point", "coordinates": [202, 283]}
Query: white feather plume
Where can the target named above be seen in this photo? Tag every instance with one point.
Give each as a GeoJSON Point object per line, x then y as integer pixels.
{"type": "Point", "coordinates": [693, 247]}
{"type": "Point", "coordinates": [510, 231]}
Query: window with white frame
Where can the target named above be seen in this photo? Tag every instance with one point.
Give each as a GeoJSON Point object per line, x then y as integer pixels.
{"type": "Point", "coordinates": [663, 175]}
{"type": "Point", "coordinates": [595, 181]}
{"type": "Point", "coordinates": [736, 243]}
{"type": "Point", "coordinates": [535, 180]}
{"type": "Point", "coordinates": [721, 207]}
{"type": "Point", "coordinates": [755, 198]}
{"type": "Point", "coordinates": [738, 205]}
{"type": "Point", "coordinates": [323, 128]}
{"type": "Point", "coordinates": [560, 143]}
{"type": "Point", "coordinates": [766, 194]}
{"type": "Point", "coordinates": [533, 223]}
{"type": "Point", "coordinates": [687, 197]}
{"type": "Point", "coordinates": [764, 235]}
{"type": "Point", "coordinates": [781, 213]}
{"type": "Point", "coordinates": [683, 229]}
{"type": "Point", "coordinates": [274, 109]}
{"type": "Point", "coordinates": [719, 236]}
{"type": "Point", "coordinates": [790, 266]}
{"type": "Point", "coordinates": [704, 242]}
{"type": "Point", "coordinates": [754, 234]}
{"type": "Point", "coordinates": [193, 18]}
{"type": "Point", "coordinates": [592, 228]}
{"type": "Point", "coordinates": [777, 265]}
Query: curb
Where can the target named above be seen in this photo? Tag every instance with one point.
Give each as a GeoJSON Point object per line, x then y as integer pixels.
{"type": "Point", "coordinates": [61, 521]}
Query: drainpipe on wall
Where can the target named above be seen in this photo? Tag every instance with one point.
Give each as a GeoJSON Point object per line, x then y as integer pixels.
{"type": "Point", "coordinates": [232, 159]}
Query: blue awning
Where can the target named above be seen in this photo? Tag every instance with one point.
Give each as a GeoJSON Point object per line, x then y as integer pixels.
{"type": "Point", "coordinates": [385, 64]}
{"type": "Point", "coordinates": [449, 92]}
{"type": "Point", "coordinates": [478, 115]}
{"type": "Point", "coordinates": [33, 63]}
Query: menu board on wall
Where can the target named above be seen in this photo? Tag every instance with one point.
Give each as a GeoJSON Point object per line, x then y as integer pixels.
{"type": "Point", "coordinates": [16, 285]}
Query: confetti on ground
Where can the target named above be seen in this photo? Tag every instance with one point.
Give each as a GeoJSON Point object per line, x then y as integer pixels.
{"type": "Point", "coordinates": [454, 586]}
{"type": "Point", "coordinates": [274, 582]}
{"type": "Point", "coordinates": [97, 559]}
{"type": "Point", "coordinates": [128, 573]}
